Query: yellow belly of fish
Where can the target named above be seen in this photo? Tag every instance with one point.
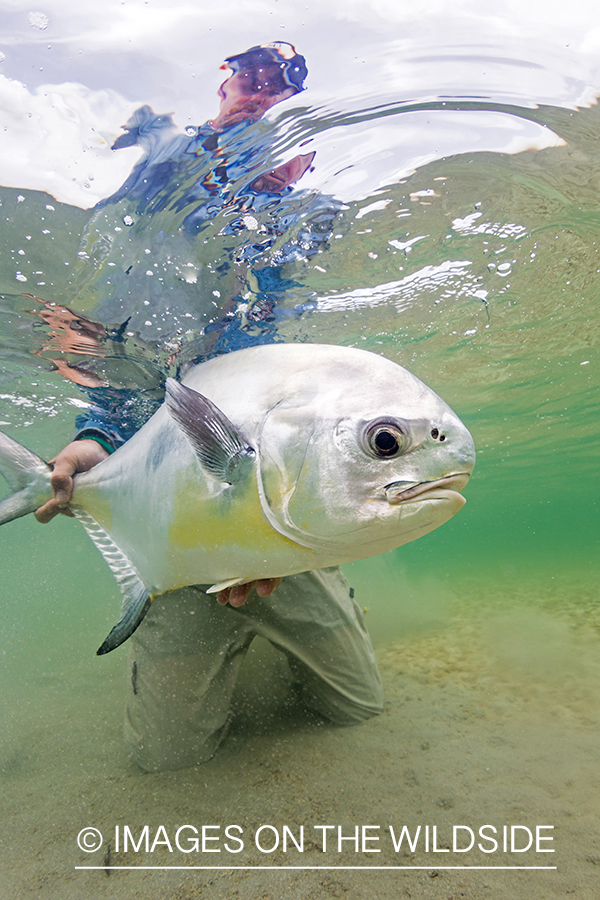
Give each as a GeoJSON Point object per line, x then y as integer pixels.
{"type": "Point", "coordinates": [234, 517]}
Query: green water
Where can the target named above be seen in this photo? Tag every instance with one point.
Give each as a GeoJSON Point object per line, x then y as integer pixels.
{"type": "Point", "coordinates": [520, 368]}
{"type": "Point", "coordinates": [487, 629]}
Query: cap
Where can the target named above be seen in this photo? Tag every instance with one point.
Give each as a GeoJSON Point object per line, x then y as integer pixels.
{"type": "Point", "coordinates": [292, 65]}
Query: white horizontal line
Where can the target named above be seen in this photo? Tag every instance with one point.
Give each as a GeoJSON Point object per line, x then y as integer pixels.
{"type": "Point", "coordinates": [227, 868]}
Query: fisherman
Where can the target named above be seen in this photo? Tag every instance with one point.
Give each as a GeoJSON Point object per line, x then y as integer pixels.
{"type": "Point", "coordinates": [185, 657]}
{"type": "Point", "coordinates": [260, 78]}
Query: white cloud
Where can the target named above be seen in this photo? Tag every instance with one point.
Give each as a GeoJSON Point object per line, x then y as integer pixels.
{"type": "Point", "coordinates": [56, 139]}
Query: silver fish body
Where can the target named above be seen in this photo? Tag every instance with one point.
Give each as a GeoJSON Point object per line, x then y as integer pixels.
{"type": "Point", "coordinates": [270, 461]}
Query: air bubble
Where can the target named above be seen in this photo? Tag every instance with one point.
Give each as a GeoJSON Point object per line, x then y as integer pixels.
{"type": "Point", "coordinates": [38, 20]}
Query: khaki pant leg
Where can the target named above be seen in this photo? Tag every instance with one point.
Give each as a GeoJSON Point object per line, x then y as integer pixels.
{"type": "Point", "coordinates": [186, 654]}
{"type": "Point", "coordinates": [317, 624]}
{"type": "Point", "coordinates": [183, 665]}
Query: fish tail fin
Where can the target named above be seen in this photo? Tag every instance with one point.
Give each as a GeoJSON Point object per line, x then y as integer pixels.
{"type": "Point", "coordinates": [27, 475]}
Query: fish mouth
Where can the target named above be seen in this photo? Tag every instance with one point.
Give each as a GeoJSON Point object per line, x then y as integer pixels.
{"type": "Point", "coordinates": [403, 491]}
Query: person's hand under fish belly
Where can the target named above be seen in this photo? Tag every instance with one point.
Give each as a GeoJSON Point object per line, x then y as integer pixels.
{"type": "Point", "coordinates": [79, 456]}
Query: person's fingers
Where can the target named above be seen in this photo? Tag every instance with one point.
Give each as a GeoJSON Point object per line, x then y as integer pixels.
{"type": "Point", "coordinates": [236, 595]}
{"type": "Point", "coordinates": [239, 593]}
{"type": "Point", "coordinates": [266, 586]}
{"type": "Point", "coordinates": [61, 481]}
{"type": "Point", "coordinates": [223, 597]}
{"type": "Point", "coordinates": [49, 510]}
{"type": "Point", "coordinates": [78, 456]}
{"type": "Point", "coordinates": [46, 512]}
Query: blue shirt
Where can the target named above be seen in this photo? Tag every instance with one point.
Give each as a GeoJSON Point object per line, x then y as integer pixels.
{"type": "Point", "coordinates": [142, 269]}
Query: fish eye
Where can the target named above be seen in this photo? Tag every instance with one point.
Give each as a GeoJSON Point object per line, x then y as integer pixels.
{"type": "Point", "coordinates": [384, 440]}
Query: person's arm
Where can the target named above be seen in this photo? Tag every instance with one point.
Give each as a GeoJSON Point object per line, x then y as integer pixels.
{"type": "Point", "coordinates": [283, 176]}
{"type": "Point", "coordinates": [115, 414]}
{"type": "Point", "coordinates": [160, 141]}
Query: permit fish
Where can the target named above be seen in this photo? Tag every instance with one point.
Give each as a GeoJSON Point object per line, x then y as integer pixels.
{"type": "Point", "coordinates": [262, 463]}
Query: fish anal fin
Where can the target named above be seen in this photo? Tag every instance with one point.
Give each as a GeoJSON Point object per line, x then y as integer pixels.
{"type": "Point", "coordinates": [136, 596]}
{"type": "Point", "coordinates": [219, 446]}
{"type": "Point", "coordinates": [222, 585]}
{"type": "Point", "coordinates": [136, 605]}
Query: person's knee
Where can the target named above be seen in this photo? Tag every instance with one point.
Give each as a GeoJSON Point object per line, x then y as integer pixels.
{"type": "Point", "coordinates": [175, 715]}
{"type": "Point", "coordinates": [344, 708]}
{"type": "Point", "coordinates": [163, 751]}
{"type": "Point", "coordinates": [183, 666]}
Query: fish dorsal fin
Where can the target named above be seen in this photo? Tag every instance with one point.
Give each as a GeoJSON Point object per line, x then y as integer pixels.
{"type": "Point", "coordinates": [136, 597]}
{"type": "Point", "coordinates": [219, 446]}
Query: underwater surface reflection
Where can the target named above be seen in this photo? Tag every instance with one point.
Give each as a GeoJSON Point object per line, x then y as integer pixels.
{"type": "Point", "coordinates": [431, 196]}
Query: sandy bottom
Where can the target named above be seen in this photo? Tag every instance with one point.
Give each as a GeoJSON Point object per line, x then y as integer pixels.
{"type": "Point", "coordinates": [492, 718]}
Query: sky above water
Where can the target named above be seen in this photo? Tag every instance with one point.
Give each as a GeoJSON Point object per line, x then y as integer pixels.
{"type": "Point", "coordinates": [72, 73]}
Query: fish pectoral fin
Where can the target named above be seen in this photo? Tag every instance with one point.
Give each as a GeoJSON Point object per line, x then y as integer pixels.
{"type": "Point", "coordinates": [136, 596]}
{"type": "Point", "coordinates": [222, 585]}
{"type": "Point", "coordinates": [219, 446]}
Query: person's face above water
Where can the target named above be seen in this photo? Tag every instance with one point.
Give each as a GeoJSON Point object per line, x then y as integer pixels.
{"type": "Point", "coordinates": [247, 95]}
